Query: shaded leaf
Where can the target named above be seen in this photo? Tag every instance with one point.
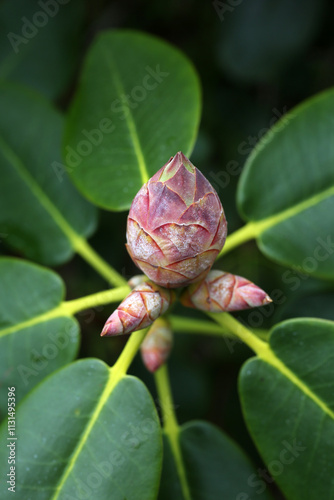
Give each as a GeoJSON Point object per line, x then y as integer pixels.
{"type": "Point", "coordinates": [36, 337]}
{"type": "Point", "coordinates": [288, 404]}
{"type": "Point", "coordinates": [286, 190]}
{"type": "Point", "coordinates": [261, 37]}
{"type": "Point", "coordinates": [319, 305]}
{"type": "Point", "coordinates": [40, 42]}
{"type": "Point", "coordinates": [85, 432]}
{"type": "Point", "coordinates": [214, 467]}
{"type": "Point", "coordinates": [41, 213]}
{"type": "Point", "coordinates": [138, 103]}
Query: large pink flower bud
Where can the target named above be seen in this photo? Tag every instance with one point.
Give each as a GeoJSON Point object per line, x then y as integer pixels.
{"type": "Point", "coordinates": [176, 225]}
{"type": "Point", "coordinates": [139, 309]}
{"type": "Point", "coordinates": [221, 291]}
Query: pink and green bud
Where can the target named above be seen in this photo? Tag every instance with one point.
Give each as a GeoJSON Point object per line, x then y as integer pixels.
{"type": "Point", "coordinates": [221, 291]}
{"type": "Point", "coordinates": [176, 225]}
{"type": "Point", "coordinates": [139, 309]}
{"type": "Point", "coordinates": [157, 345]}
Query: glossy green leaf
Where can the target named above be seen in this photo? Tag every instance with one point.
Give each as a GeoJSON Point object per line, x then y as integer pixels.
{"type": "Point", "coordinates": [36, 337]}
{"type": "Point", "coordinates": [40, 42]}
{"type": "Point", "coordinates": [214, 467]}
{"type": "Point", "coordinates": [41, 213]}
{"type": "Point", "coordinates": [86, 433]}
{"type": "Point", "coordinates": [287, 396]}
{"type": "Point", "coordinates": [286, 190]}
{"type": "Point", "coordinates": [138, 103]}
{"type": "Point", "coordinates": [261, 37]}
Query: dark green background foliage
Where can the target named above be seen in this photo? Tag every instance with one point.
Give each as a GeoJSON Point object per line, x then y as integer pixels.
{"type": "Point", "coordinates": [63, 83]}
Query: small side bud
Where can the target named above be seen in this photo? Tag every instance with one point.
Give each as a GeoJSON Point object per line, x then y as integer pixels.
{"type": "Point", "coordinates": [157, 345]}
{"type": "Point", "coordinates": [137, 280]}
{"type": "Point", "coordinates": [221, 291]}
{"type": "Point", "coordinates": [139, 309]}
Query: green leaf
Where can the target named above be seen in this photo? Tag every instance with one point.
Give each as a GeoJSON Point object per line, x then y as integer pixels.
{"type": "Point", "coordinates": [288, 404]}
{"type": "Point", "coordinates": [260, 38]}
{"type": "Point", "coordinates": [86, 433]}
{"type": "Point", "coordinates": [214, 467]}
{"type": "Point", "coordinates": [40, 42]}
{"type": "Point", "coordinates": [36, 337]}
{"type": "Point", "coordinates": [41, 213]}
{"type": "Point", "coordinates": [138, 103]}
{"type": "Point", "coordinates": [286, 190]}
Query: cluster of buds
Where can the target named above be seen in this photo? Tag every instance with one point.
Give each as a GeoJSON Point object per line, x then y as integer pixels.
{"type": "Point", "coordinates": [176, 228]}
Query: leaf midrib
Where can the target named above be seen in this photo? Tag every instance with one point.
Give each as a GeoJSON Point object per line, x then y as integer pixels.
{"type": "Point", "coordinates": [56, 312]}
{"type": "Point", "coordinates": [269, 356]}
{"type": "Point", "coordinates": [264, 352]}
{"type": "Point", "coordinates": [74, 238]}
{"type": "Point", "coordinates": [263, 224]}
{"type": "Point", "coordinates": [131, 124]}
{"type": "Point", "coordinates": [255, 228]}
{"type": "Point", "coordinates": [115, 376]}
{"type": "Point", "coordinates": [69, 308]}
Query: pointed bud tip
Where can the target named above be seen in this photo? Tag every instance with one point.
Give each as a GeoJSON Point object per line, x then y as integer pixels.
{"type": "Point", "coordinates": [266, 300]}
{"type": "Point", "coordinates": [111, 329]}
{"type": "Point", "coordinates": [106, 331]}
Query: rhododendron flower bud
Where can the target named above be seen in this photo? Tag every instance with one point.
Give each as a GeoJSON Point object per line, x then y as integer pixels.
{"type": "Point", "coordinates": [176, 225]}
{"type": "Point", "coordinates": [137, 280]}
{"type": "Point", "coordinates": [221, 291]}
{"type": "Point", "coordinates": [139, 309]}
{"type": "Point", "coordinates": [157, 345]}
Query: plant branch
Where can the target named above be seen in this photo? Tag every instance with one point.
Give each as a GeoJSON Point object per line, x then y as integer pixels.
{"type": "Point", "coordinates": [84, 249]}
{"type": "Point", "coordinates": [170, 425]}
{"type": "Point", "coordinates": [242, 235]}
{"type": "Point", "coordinates": [129, 352]}
{"type": "Point", "coordinates": [182, 324]}
{"type": "Point", "coordinates": [247, 336]}
{"type": "Point", "coordinates": [72, 307]}
{"type": "Point", "coordinates": [169, 419]}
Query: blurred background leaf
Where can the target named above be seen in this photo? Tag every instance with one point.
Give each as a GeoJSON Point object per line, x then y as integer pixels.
{"type": "Point", "coordinates": [214, 467]}
{"type": "Point", "coordinates": [41, 213]}
{"type": "Point", "coordinates": [41, 42]}
{"type": "Point", "coordinates": [260, 38]}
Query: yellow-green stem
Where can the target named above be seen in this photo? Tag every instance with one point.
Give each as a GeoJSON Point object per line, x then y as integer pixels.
{"type": "Point", "coordinates": [71, 307]}
{"type": "Point", "coordinates": [182, 324]}
{"type": "Point", "coordinates": [78, 242]}
{"type": "Point", "coordinates": [84, 249]}
{"type": "Point", "coordinates": [170, 425]}
{"type": "Point", "coordinates": [239, 330]}
{"type": "Point", "coordinates": [130, 350]}
{"type": "Point", "coordinates": [242, 235]}
{"type": "Point", "coordinates": [253, 229]}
